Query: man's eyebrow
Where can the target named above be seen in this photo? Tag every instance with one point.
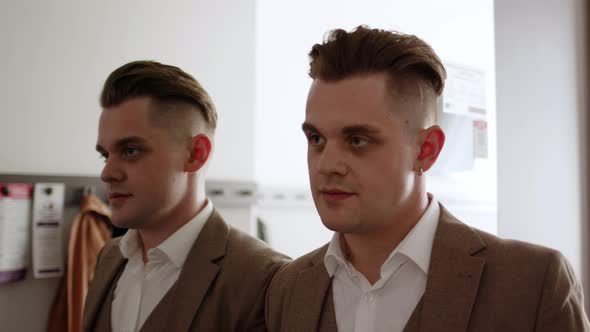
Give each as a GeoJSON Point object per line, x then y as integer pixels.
{"type": "Point", "coordinates": [364, 129]}
{"type": "Point", "coordinates": [123, 142]}
{"type": "Point", "coordinates": [309, 127]}
{"type": "Point", "coordinates": [360, 129]}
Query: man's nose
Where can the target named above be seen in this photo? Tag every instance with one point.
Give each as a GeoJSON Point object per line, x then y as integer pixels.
{"type": "Point", "coordinates": [112, 172]}
{"type": "Point", "coordinates": [331, 161]}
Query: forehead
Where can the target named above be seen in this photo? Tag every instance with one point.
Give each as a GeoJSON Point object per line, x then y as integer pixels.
{"type": "Point", "coordinates": [352, 101]}
{"type": "Point", "coordinates": [130, 118]}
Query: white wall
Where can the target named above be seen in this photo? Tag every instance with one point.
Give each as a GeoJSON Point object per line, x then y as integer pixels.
{"type": "Point", "coordinates": [539, 63]}
{"type": "Point", "coordinates": [56, 55]}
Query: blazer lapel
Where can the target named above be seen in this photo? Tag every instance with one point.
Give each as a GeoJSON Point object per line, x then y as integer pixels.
{"type": "Point", "coordinates": [310, 292]}
{"type": "Point", "coordinates": [110, 266]}
{"type": "Point", "coordinates": [197, 275]}
{"type": "Point", "coordinates": [453, 277]}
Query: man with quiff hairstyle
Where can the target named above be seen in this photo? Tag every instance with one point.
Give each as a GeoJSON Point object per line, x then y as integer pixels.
{"type": "Point", "coordinates": [398, 260]}
{"type": "Point", "coordinates": [180, 267]}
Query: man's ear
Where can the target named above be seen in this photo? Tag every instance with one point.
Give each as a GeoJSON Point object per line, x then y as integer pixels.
{"type": "Point", "coordinates": [431, 142]}
{"type": "Point", "coordinates": [200, 150]}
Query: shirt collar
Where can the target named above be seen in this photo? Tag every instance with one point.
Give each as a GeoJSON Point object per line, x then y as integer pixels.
{"type": "Point", "coordinates": [334, 256]}
{"type": "Point", "coordinates": [177, 246]}
{"type": "Point", "coordinates": [129, 244]}
{"type": "Point", "coordinates": [417, 245]}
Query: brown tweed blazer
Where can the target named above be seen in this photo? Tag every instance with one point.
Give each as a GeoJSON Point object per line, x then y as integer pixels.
{"type": "Point", "coordinates": [477, 282]}
{"type": "Point", "coordinates": [222, 286]}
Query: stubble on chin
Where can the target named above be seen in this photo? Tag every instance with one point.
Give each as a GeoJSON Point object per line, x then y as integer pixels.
{"type": "Point", "coordinates": [124, 221]}
{"type": "Point", "coordinates": [340, 224]}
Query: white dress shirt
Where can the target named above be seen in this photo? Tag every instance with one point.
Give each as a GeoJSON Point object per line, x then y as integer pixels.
{"type": "Point", "coordinates": [388, 304]}
{"type": "Point", "coordinates": [141, 286]}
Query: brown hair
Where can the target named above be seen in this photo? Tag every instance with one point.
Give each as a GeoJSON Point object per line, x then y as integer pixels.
{"type": "Point", "coordinates": [165, 84]}
{"type": "Point", "coordinates": [368, 51]}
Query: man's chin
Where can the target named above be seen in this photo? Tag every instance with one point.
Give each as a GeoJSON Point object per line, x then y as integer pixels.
{"type": "Point", "coordinates": [340, 225]}
{"type": "Point", "coordinates": [120, 224]}
{"type": "Point", "coordinates": [124, 222]}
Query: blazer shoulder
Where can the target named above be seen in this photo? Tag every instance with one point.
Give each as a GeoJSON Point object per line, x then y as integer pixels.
{"type": "Point", "coordinates": [452, 233]}
{"type": "Point", "coordinates": [289, 272]}
{"type": "Point", "coordinates": [508, 256]}
{"type": "Point", "coordinates": [281, 287]}
{"type": "Point", "coordinates": [245, 252]}
{"type": "Point", "coordinates": [246, 271]}
{"type": "Point", "coordinates": [548, 275]}
{"type": "Point", "coordinates": [510, 248]}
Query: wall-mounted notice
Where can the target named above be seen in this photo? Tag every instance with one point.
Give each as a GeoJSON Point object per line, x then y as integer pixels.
{"type": "Point", "coordinates": [48, 205]}
{"type": "Point", "coordinates": [15, 218]}
{"type": "Point", "coordinates": [465, 91]}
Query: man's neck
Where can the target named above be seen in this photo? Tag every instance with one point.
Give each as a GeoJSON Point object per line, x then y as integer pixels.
{"type": "Point", "coordinates": [152, 237]}
{"type": "Point", "coordinates": [368, 251]}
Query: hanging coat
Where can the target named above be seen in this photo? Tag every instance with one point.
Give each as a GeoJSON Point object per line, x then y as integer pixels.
{"type": "Point", "coordinates": [89, 232]}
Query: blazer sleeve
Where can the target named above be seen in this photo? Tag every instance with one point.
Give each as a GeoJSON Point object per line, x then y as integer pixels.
{"type": "Point", "coordinates": [256, 319]}
{"type": "Point", "coordinates": [562, 304]}
{"type": "Point", "coordinates": [270, 311]}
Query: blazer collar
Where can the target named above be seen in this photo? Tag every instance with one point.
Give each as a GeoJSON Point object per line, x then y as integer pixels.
{"type": "Point", "coordinates": [454, 276]}
{"type": "Point", "coordinates": [188, 293]}
{"type": "Point", "coordinates": [194, 281]}
{"type": "Point", "coordinates": [311, 288]}
{"type": "Point", "coordinates": [451, 288]}
{"type": "Point", "coordinates": [111, 264]}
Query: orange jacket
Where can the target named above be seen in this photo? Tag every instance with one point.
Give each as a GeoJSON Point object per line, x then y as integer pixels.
{"type": "Point", "coordinates": [89, 232]}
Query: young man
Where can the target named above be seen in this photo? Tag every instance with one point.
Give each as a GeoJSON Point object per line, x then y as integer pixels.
{"type": "Point", "coordinates": [399, 261]}
{"type": "Point", "coordinates": [180, 267]}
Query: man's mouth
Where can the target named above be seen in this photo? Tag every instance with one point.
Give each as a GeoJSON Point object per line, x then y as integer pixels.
{"type": "Point", "coordinates": [334, 194]}
{"type": "Point", "coordinates": [117, 196]}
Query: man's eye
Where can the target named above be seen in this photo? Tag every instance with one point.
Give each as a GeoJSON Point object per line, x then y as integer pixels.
{"type": "Point", "coordinates": [315, 139]}
{"type": "Point", "coordinates": [131, 152]}
{"type": "Point", "coordinates": [358, 141]}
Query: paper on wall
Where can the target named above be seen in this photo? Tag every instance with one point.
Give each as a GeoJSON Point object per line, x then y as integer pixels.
{"type": "Point", "coordinates": [15, 215]}
{"type": "Point", "coordinates": [48, 206]}
{"type": "Point", "coordinates": [465, 91]}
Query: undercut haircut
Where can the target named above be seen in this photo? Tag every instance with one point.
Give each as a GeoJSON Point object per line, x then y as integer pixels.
{"type": "Point", "coordinates": [410, 64]}
{"type": "Point", "coordinates": [169, 88]}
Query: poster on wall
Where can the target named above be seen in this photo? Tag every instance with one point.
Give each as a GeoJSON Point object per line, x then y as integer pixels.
{"type": "Point", "coordinates": [465, 91]}
{"type": "Point", "coordinates": [48, 206]}
{"type": "Point", "coordinates": [15, 216]}
{"type": "Point", "coordinates": [462, 114]}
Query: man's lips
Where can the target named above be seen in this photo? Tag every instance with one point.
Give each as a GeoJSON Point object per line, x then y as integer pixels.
{"type": "Point", "coordinates": [336, 194]}
{"type": "Point", "coordinates": [116, 196]}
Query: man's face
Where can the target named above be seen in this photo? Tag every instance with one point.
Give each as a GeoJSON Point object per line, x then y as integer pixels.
{"type": "Point", "coordinates": [360, 155]}
{"type": "Point", "coordinates": [144, 165]}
